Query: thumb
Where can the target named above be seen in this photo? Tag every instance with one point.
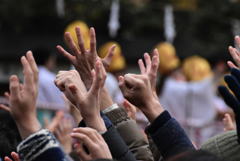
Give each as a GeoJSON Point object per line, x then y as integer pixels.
{"type": "Point", "coordinates": [107, 60]}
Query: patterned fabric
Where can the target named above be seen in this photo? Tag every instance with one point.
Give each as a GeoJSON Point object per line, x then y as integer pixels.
{"type": "Point", "coordinates": [41, 145]}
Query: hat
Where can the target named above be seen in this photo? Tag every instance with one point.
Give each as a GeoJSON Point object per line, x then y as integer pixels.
{"type": "Point", "coordinates": [224, 146]}
{"type": "Point", "coordinates": [84, 32]}
{"type": "Point", "coordinates": [168, 58]}
{"type": "Point", "coordinates": [196, 68]}
{"type": "Point", "coordinates": [118, 61]}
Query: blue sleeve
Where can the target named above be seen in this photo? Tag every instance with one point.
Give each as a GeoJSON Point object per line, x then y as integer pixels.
{"type": "Point", "coordinates": [169, 136]}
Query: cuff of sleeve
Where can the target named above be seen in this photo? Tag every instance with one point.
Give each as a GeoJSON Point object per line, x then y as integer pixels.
{"type": "Point", "coordinates": [110, 108]}
{"type": "Point", "coordinates": [160, 121]}
{"type": "Point", "coordinates": [36, 144]}
{"type": "Point", "coordinates": [117, 115]}
{"type": "Point", "coordinates": [106, 120]}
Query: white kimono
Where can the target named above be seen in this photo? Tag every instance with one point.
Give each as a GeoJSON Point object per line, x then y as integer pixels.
{"type": "Point", "coordinates": [49, 96]}
{"type": "Point", "coordinates": [192, 104]}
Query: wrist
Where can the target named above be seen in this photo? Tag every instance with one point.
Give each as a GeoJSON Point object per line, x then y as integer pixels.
{"type": "Point", "coordinates": [106, 99]}
{"type": "Point", "coordinates": [96, 123]}
{"type": "Point", "coordinates": [28, 126]}
{"type": "Point", "coordinates": [67, 148]}
{"type": "Point", "coordinates": [152, 110]}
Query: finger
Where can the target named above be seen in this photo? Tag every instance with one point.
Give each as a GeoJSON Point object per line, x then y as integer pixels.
{"type": "Point", "coordinates": [155, 61]}
{"type": "Point", "coordinates": [99, 76]}
{"type": "Point", "coordinates": [21, 86]}
{"type": "Point", "coordinates": [56, 120]}
{"type": "Point", "coordinates": [148, 62]}
{"type": "Point", "coordinates": [15, 156]}
{"type": "Point", "coordinates": [93, 44]}
{"type": "Point", "coordinates": [77, 94]}
{"type": "Point", "coordinates": [231, 64]}
{"type": "Point", "coordinates": [84, 130]}
{"type": "Point", "coordinates": [132, 80]}
{"type": "Point", "coordinates": [91, 133]}
{"type": "Point", "coordinates": [228, 123]}
{"type": "Point", "coordinates": [14, 87]}
{"type": "Point", "coordinates": [81, 152]}
{"type": "Point", "coordinates": [7, 159]}
{"type": "Point", "coordinates": [131, 109]}
{"type": "Point", "coordinates": [60, 84]}
{"type": "Point", "coordinates": [122, 85]}
{"type": "Point", "coordinates": [237, 41]}
{"type": "Point", "coordinates": [80, 40]}
{"type": "Point", "coordinates": [6, 95]}
{"type": "Point", "coordinates": [83, 139]}
{"type": "Point", "coordinates": [71, 44]}
{"type": "Point", "coordinates": [141, 66]}
{"type": "Point", "coordinates": [4, 107]}
{"type": "Point", "coordinates": [28, 73]}
{"type": "Point", "coordinates": [233, 53]}
{"type": "Point", "coordinates": [33, 65]}
{"type": "Point", "coordinates": [66, 54]}
{"type": "Point", "coordinates": [107, 60]}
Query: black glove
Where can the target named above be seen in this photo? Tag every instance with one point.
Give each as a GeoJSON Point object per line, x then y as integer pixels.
{"type": "Point", "coordinates": [233, 82]}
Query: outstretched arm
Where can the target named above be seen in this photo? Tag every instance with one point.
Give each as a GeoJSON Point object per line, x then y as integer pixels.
{"type": "Point", "coordinates": [165, 131]}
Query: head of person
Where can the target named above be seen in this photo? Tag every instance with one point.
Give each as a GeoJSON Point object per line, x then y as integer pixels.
{"type": "Point", "coordinates": [44, 57]}
{"type": "Point", "coordinates": [169, 60]}
{"type": "Point", "coordinates": [195, 155]}
{"type": "Point", "coordinates": [196, 68]}
{"type": "Point", "coordinates": [84, 32]}
{"type": "Point", "coordinates": [118, 62]}
{"type": "Point", "coordinates": [9, 134]}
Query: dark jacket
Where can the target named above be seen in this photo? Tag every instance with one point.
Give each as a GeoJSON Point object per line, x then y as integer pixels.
{"type": "Point", "coordinates": [169, 136]}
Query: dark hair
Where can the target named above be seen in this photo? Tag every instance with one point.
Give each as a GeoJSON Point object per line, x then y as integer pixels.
{"type": "Point", "coordinates": [195, 155]}
{"type": "Point", "coordinates": [42, 55]}
{"type": "Point", "coordinates": [9, 134]}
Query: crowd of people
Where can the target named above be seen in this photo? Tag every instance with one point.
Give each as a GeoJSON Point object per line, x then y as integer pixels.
{"type": "Point", "coordinates": [99, 125]}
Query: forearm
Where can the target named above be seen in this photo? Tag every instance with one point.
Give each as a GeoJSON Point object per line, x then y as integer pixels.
{"type": "Point", "coordinates": [28, 126]}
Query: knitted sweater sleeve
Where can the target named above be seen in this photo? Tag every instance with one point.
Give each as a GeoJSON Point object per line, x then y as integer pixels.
{"type": "Point", "coordinates": [40, 146]}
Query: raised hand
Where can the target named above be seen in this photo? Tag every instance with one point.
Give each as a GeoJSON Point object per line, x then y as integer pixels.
{"type": "Point", "coordinates": [93, 141]}
{"type": "Point", "coordinates": [84, 59]}
{"type": "Point", "coordinates": [87, 102]}
{"type": "Point", "coordinates": [62, 133]}
{"type": "Point", "coordinates": [151, 67]}
{"type": "Point", "coordinates": [22, 97]}
{"type": "Point", "coordinates": [140, 89]}
{"type": "Point", "coordinates": [235, 53]}
{"type": "Point", "coordinates": [15, 157]}
{"type": "Point", "coordinates": [66, 78]}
